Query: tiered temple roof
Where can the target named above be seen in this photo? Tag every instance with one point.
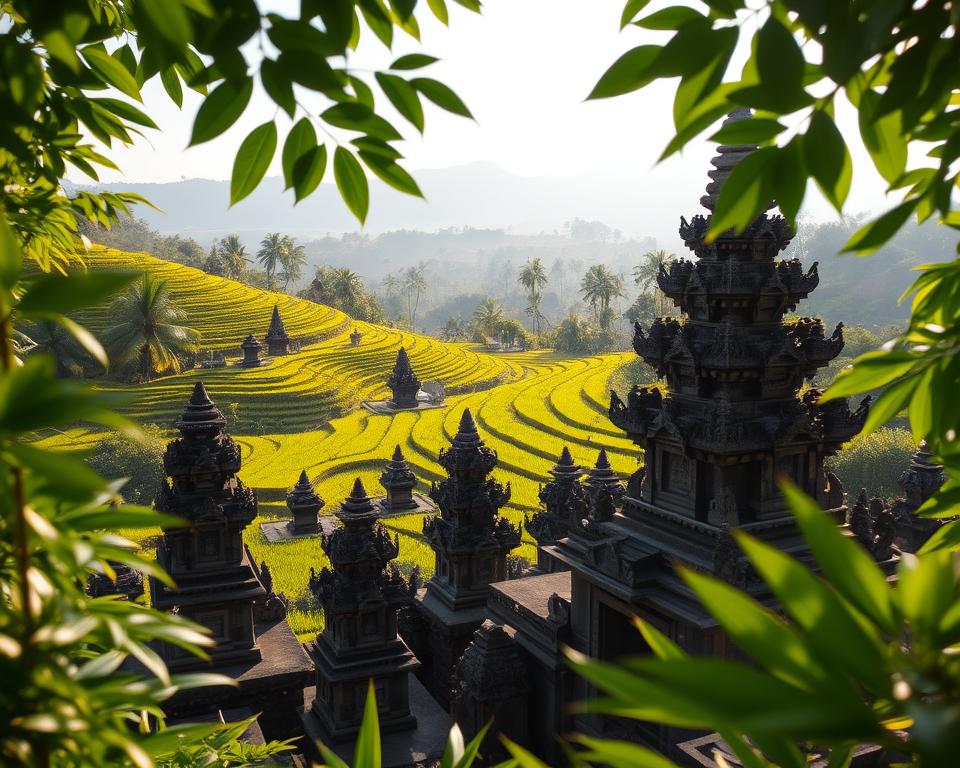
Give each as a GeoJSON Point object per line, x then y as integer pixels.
{"type": "Point", "coordinates": [361, 594]}
{"type": "Point", "coordinates": [398, 481]}
{"type": "Point", "coordinates": [305, 504]}
{"type": "Point", "coordinates": [564, 498]}
{"type": "Point", "coordinates": [278, 343]}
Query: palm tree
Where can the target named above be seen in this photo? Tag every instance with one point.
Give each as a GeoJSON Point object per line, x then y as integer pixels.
{"type": "Point", "coordinates": [391, 283]}
{"type": "Point", "coordinates": [271, 254]}
{"type": "Point", "coordinates": [146, 329]}
{"type": "Point", "coordinates": [292, 259]}
{"type": "Point", "coordinates": [346, 287]}
{"type": "Point", "coordinates": [599, 287]}
{"type": "Point", "coordinates": [233, 254]}
{"type": "Point", "coordinates": [533, 277]}
{"type": "Point", "coordinates": [48, 337]}
{"type": "Point", "coordinates": [415, 283]}
{"type": "Point", "coordinates": [487, 317]}
{"type": "Point", "coordinates": [645, 275]}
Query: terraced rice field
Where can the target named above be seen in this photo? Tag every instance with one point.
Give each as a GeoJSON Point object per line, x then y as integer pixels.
{"type": "Point", "coordinates": [326, 378]}
{"type": "Point", "coordinates": [543, 403]}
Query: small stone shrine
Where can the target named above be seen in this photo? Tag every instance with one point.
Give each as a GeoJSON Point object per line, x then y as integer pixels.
{"type": "Point", "coordinates": [355, 338]}
{"type": "Point", "coordinates": [471, 542]}
{"type": "Point", "coordinates": [304, 504]}
{"type": "Point", "coordinates": [360, 594]}
{"type": "Point", "coordinates": [251, 352]}
{"type": "Point", "coordinates": [562, 494]}
{"type": "Point", "coordinates": [918, 482]}
{"type": "Point", "coordinates": [278, 343]}
{"type": "Point", "coordinates": [398, 481]}
{"type": "Point", "coordinates": [217, 582]}
{"type": "Point", "coordinates": [403, 383]}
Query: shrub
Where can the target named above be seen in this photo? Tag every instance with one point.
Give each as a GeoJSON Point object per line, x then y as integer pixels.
{"type": "Point", "coordinates": [874, 462]}
{"type": "Point", "coordinates": [118, 456]}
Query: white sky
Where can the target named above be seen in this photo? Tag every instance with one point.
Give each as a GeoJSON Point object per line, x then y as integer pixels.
{"type": "Point", "coordinates": [524, 68]}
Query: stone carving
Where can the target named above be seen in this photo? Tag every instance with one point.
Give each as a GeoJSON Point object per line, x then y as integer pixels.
{"type": "Point", "coordinates": [127, 582]}
{"type": "Point", "coordinates": [563, 493]}
{"type": "Point", "coordinates": [361, 593]}
{"type": "Point", "coordinates": [470, 537]}
{"type": "Point", "coordinates": [403, 382]}
{"type": "Point", "coordinates": [278, 343]}
{"type": "Point", "coordinates": [922, 478]}
{"type": "Point", "coordinates": [601, 475]}
{"type": "Point", "coordinates": [217, 582]}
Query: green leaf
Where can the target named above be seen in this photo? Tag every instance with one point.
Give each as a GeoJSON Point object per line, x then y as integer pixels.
{"type": "Point", "coordinates": [620, 753]}
{"type": "Point", "coordinates": [278, 86]}
{"type": "Point", "coordinates": [252, 160]}
{"type": "Point", "coordinates": [631, 10]}
{"type": "Point", "coordinates": [632, 71]}
{"type": "Point", "coordinates": [845, 563]}
{"type": "Point", "coordinates": [414, 61]}
{"type": "Point", "coordinates": [876, 233]}
{"type": "Point", "coordinates": [52, 292]}
{"type": "Point", "coordinates": [308, 172]}
{"type": "Point", "coordinates": [83, 337]}
{"type": "Point", "coordinates": [869, 371]}
{"type": "Point", "coordinates": [301, 139]}
{"type": "Point", "coordinates": [441, 95]}
{"type": "Point", "coordinates": [439, 10]}
{"type": "Point", "coordinates": [387, 170]}
{"type": "Point", "coordinates": [894, 399]}
{"type": "Point", "coordinates": [522, 757]}
{"type": "Point", "coordinates": [221, 109]}
{"type": "Point", "coordinates": [351, 182]}
{"type": "Point", "coordinates": [169, 19]}
{"type": "Point", "coordinates": [839, 638]}
{"type": "Point", "coordinates": [781, 65]}
{"type": "Point", "coordinates": [404, 98]}
{"type": "Point", "coordinates": [883, 137]}
{"type": "Point", "coordinates": [471, 750]}
{"type": "Point", "coordinates": [11, 263]}
{"type": "Point", "coordinates": [126, 111]}
{"type": "Point", "coordinates": [453, 751]}
{"type": "Point", "coordinates": [67, 477]}
{"type": "Point", "coordinates": [354, 116]}
{"type": "Point", "coordinates": [753, 131]}
{"type": "Point", "coordinates": [746, 192]}
{"type": "Point", "coordinates": [759, 632]}
{"type": "Point", "coordinates": [945, 538]}
{"type": "Point", "coordinates": [659, 643]}
{"type": "Point", "coordinates": [672, 17]}
{"type": "Point", "coordinates": [111, 71]}
{"type": "Point", "coordinates": [367, 750]}
{"type": "Point", "coordinates": [171, 84]}
{"type": "Point", "coordinates": [828, 158]}
{"type": "Point", "coordinates": [790, 180]}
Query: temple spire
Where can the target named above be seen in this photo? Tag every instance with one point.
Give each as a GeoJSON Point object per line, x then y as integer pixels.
{"type": "Point", "coordinates": [398, 481]}
{"type": "Point", "coordinates": [403, 382]}
{"type": "Point", "coordinates": [305, 504]}
{"type": "Point", "coordinates": [727, 158]}
{"type": "Point", "coordinates": [278, 342]}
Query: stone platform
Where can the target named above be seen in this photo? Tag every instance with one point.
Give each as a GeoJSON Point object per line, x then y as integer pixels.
{"type": "Point", "coordinates": [419, 746]}
{"type": "Point", "coordinates": [383, 407]}
{"type": "Point", "coordinates": [282, 530]}
{"type": "Point", "coordinates": [273, 686]}
{"type": "Point", "coordinates": [276, 531]}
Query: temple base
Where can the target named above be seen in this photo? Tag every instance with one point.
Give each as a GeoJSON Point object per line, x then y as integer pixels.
{"type": "Point", "coordinates": [421, 745]}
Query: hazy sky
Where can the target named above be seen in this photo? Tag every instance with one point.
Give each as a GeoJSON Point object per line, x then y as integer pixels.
{"type": "Point", "coordinates": [524, 68]}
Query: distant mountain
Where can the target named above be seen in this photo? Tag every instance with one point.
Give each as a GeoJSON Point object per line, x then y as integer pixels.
{"type": "Point", "coordinates": [477, 195]}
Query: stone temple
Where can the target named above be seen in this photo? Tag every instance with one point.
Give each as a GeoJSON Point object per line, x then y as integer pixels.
{"type": "Point", "coordinates": [481, 641]}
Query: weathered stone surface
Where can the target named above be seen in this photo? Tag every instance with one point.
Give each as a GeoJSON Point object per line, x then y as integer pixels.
{"type": "Point", "coordinates": [305, 504]}
{"type": "Point", "coordinates": [361, 594]}
{"type": "Point", "coordinates": [918, 482]}
{"type": "Point", "coordinates": [278, 343]}
{"type": "Point", "coordinates": [398, 481]}
{"type": "Point", "coordinates": [251, 352]}
{"type": "Point", "coordinates": [403, 383]}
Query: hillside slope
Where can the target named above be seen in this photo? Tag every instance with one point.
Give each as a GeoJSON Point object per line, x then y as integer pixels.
{"type": "Point", "coordinates": [326, 378]}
